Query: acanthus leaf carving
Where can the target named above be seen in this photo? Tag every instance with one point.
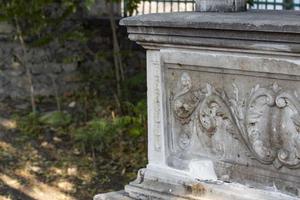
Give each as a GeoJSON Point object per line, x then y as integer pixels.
{"type": "Point", "coordinates": [247, 118]}
{"type": "Point", "coordinates": [186, 101]}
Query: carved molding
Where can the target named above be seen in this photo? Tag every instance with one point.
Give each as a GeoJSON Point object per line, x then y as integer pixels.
{"type": "Point", "coordinates": [156, 102]}
{"type": "Point", "coordinates": [266, 120]}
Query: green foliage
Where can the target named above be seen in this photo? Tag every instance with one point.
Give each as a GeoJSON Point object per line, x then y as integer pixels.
{"type": "Point", "coordinates": [42, 21]}
{"type": "Point", "coordinates": [99, 133]}
{"type": "Point", "coordinates": [36, 124]}
{"type": "Point", "coordinates": [133, 84]}
{"type": "Point", "coordinates": [89, 3]}
{"type": "Point", "coordinates": [131, 6]}
{"type": "Point", "coordinates": [250, 2]}
{"type": "Point", "coordinates": [29, 124]}
{"type": "Point", "coordinates": [135, 121]}
{"type": "Point", "coordinates": [95, 135]}
{"type": "Point", "coordinates": [56, 119]}
{"type": "Point", "coordinates": [37, 20]}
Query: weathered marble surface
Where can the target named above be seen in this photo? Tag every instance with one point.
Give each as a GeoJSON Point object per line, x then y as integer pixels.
{"type": "Point", "coordinates": [242, 118]}
{"type": "Point", "coordinates": [271, 21]}
{"type": "Point", "coordinates": [220, 5]}
{"type": "Point", "coordinates": [223, 105]}
{"type": "Point", "coordinates": [121, 195]}
{"type": "Point", "coordinates": [251, 30]}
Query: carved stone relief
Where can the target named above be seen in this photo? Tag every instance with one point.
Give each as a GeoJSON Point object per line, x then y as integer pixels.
{"type": "Point", "coordinates": [266, 120]}
{"type": "Point", "coordinates": [157, 118]}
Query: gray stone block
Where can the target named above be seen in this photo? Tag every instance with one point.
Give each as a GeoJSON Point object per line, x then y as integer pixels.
{"type": "Point", "coordinates": [121, 195]}
{"type": "Point", "coordinates": [70, 67]}
{"type": "Point", "coordinates": [5, 30]}
{"type": "Point", "coordinates": [45, 68]}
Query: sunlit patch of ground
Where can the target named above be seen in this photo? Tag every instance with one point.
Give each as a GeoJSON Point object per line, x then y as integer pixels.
{"type": "Point", "coordinates": [4, 198]}
{"type": "Point", "coordinates": [8, 123]}
{"type": "Point", "coordinates": [49, 166]}
{"type": "Point", "coordinates": [20, 170]}
{"type": "Point", "coordinates": [36, 189]}
{"type": "Point", "coordinates": [29, 170]}
{"type": "Point", "coordinates": [5, 147]}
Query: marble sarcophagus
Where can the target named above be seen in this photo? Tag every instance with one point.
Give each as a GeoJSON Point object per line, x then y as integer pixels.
{"type": "Point", "coordinates": [223, 105]}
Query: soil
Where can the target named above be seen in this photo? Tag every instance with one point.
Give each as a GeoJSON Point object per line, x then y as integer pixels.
{"type": "Point", "coordinates": [49, 166]}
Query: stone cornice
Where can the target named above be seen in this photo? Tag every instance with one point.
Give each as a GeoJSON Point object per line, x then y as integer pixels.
{"type": "Point", "coordinates": [245, 30]}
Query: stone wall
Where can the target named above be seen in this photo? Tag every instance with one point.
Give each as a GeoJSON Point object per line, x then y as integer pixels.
{"type": "Point", "coordinates": [47, 72]}
{"type": "Point", "coordinates": [50, 72]}
{"type": "Point", "coordinates": [100, 9]}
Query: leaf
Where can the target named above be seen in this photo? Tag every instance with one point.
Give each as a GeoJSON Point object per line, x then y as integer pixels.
{"type": "Point", "coordinates": [56, 118]}
{"type": "Point", "coordinates": [42, 41]}
{"type": "Point", "coordinates": [223, 95]}
{"type": "Point", "coordinates": [236, 92]}
{"type": "Point", "coordinates": [296, 94]}
{"type": "Point", "coordinates": [256, 87]}
{"type": "Point", "coordinates": [254, 116]}
{"type": "Point", "coordinates": [209, 89]}
{"type": "Point", "coordinates": [296, 119]}
{"type": "Point", "coordinates": [275, 87]}
{"type": "Point", "coordinates": [89, 3]}
{"type": "Point", "coordinates": [135, 132]}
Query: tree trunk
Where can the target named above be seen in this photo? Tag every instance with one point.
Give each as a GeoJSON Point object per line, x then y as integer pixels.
{"type": "Point", "coordinates": [119, 72]}
{"type": "Point", "coordinates": [23, 61]}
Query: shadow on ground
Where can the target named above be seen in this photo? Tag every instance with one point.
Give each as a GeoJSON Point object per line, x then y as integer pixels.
{"type": "Point", "coordinates": [49, 166]}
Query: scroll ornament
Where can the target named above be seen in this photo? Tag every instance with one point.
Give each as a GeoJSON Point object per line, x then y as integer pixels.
{"type": "Point", "coordinates": [266, 120]}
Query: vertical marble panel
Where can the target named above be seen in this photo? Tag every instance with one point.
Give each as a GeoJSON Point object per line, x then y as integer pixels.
{"type": "Point", "coordinates": [156, 148]}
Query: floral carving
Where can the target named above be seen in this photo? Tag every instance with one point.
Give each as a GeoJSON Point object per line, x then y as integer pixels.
{"type": "Point", "coordinates": [186, 101]}
{"type": "Point", "coordinates": [266, 120]}
{"type": "Point", "coordinates": [184, 140]}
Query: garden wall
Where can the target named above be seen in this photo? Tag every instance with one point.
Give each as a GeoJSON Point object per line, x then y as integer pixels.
{"type": "Point", "coordinates": [55, 68]}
